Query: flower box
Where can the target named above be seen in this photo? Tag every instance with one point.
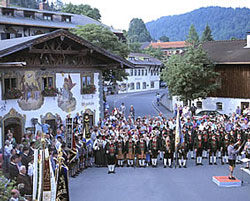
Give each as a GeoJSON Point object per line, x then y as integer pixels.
{"type": "Point", "coordinates": [51, 92]}
{"type": "Point", "coordinates": [89, 89]}
{"type": "Point", "coordinates": [13, 93]}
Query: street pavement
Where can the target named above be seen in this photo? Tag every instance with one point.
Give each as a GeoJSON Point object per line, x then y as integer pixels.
{"type": "Point", "coordinates": [193, 183]}
{"type": "Point", "coordinates": [143, 102]}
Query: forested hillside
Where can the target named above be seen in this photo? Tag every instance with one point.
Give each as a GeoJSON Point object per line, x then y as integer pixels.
{"type": "Point", "coordinates": [226, 23]}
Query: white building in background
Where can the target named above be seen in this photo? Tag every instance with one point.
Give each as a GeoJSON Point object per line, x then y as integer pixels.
{"type": "Point", "coordinates": [144, 76]}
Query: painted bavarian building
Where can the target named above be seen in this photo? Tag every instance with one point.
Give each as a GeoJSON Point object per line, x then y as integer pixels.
{"type": "Point", "coordinates": [49, 74]}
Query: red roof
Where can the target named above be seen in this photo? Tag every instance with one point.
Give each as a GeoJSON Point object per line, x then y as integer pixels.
{"type": "Point", "coordinates": [166, 45]}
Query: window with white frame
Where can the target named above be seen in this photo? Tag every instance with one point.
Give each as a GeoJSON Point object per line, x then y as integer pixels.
{"type": "Point", "coordinates": [138, 85]}
{"type": "Point", "coordinates": [132, 86]}
{"type": "Point", "coordinates": [199, 104]}
{"type": "Point", "coordinates": [144, 85]}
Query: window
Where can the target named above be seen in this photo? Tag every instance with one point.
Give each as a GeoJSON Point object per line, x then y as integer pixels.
{"type": "Point", "coordinates": [5, 36]}
{"type": "Point", "coordinates": [7, 11]}
{"type": "Point", "coordinates": [87, 83]}
{"type": "Point", "coordinates": [29, 14]}
{"type": "Point", "coordinates": [146, 59]}
{"type": "Point", "coordinates": [146, 72]}
{"type": "Point", "coordinates": [131, 72]}
{"type": "Point", "coordinates": [139, 72]}
{"type": "Point", "coordinates": [219, 106]}
{"type": "Point", "coordinates": [152, 84]}
{"type": "Point", "coordinates": [142, 72]}
{"type": "Point", "coordinates": [132, 86]}
{"type": "Point", "coordinates": [144, 86]}
{"type": "Point", "coordinates": [66, 18]}
{"type": "Point", "coordinates": [47, 82]}
{"type": "Point", "coordinates": [138, 85]}
{"type": "Point", "coordinates": [10, 90]}
{"type": "Point", "coordinates": [135, 72]}
{"type": "Point", "coordinates": [199, 104]}
{"type": "Point", "coordinates": [151, 72]}
{"type": "Point", "coordinates": [131, 58]}
{"type": "Point", "coordinates": [47, 17]}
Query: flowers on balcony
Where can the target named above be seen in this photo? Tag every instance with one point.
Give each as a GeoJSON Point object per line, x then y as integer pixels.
{"type": "Point", "coordinates": [89, 89]}
{"type": "Point", "coordinates": [50, 91]}
{"type": "Point", "coordinates": [12, 93]}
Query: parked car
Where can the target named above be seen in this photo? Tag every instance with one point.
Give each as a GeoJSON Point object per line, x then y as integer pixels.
{"type": "Point", "coordinates": [163, 84]}
{"type": "Point", "coordinates": [209, 113]}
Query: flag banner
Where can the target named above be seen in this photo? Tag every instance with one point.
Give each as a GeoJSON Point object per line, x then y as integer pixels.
{"type": "Point", "coordinates": [178, 134]}
{"type": "Point", "coordinates": [35, 175]}
{"type": "Point", "coordinates": [40, 174]}
{"type": "Point", "coordinates": [46, 177]}
{"type": "Point", "coordinates": [53, 183]}
{"type": "Point", "coordinates": [62, 189]}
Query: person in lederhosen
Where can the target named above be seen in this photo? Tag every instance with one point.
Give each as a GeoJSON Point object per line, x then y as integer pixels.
{"type": "Point", "coordinates": [111, 155]}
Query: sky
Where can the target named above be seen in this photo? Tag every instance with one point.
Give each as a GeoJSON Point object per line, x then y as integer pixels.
{"type": "Point", "coordinates": [118, 13]}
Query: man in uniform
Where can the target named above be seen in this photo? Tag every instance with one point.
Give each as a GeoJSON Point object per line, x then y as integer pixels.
{"type": "Point", "coordinates": [182, 155]}
{"type": "Point", "coordinates": [167, 148]}
{"type": "Point", "coordinates": [205, 143]}
{"type": "Point", "coordinates": [154, 149]}
{"type": "Point", "coordinates": [111, 155]}
{"type": "Point", "coordinates": [130, 151]}
{"type": "Point", "coordinates": [120, 151]}
{"type": "Point", "coordinates": [141, 149]}
{"type": "Point", "coordinates": [247, 149]}
{"type": "Point", "coordinates": [224, 145]}
{"type": "Point", "coordinates": [212, 150]}
{"type": "Point", "coordinates": [199, 148]}
{"type": "Point", "coordinates": [190, 142]}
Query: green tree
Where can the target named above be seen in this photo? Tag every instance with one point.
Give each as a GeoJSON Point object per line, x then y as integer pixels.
{"type": "Point", "coordinates": [104, 38]}
{"type": "Point", "coordinates": [138, 32]}
{"type": "Point", "coordinates": [5, 187]}
{"type": "Point", "coordinates": [154, 52]}
{"type": "Point", "coordinates": [82, 9]}
{"type": "Point", "coordinates": [135, 47]}
{"type": "Point", "coordinates": [193, 37]}
{"type": "Point", "coordinates": [190, 76]}
{"type": "Point", "coordinates": [164, 38]}
{"type": "Point", "coordinates": [207, 34]}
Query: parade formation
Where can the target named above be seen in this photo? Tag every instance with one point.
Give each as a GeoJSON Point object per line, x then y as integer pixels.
{"type": "Point", "coordinates": [118, 141]}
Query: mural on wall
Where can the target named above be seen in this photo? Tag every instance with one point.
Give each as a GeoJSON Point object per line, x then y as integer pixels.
{"type": "Point", "coordinates": [65, 100]}
{"type": "Point", "coordinates": [31, 98]}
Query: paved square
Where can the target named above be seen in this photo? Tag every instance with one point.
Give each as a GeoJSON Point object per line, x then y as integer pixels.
{"type": "Point", "coordinates": [157, 184]}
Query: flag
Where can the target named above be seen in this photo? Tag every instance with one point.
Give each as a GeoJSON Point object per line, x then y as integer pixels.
{"type": "Point", "coordinates": [178, 134]}
{"type": "Point", "coordinates": [46, 177]}
{"type": "Point", "coordinates": [73, 150]}
{"type": "Point", "coordinates": [37, 174]}
{"type": "Point", "coordinates": [62, 189]}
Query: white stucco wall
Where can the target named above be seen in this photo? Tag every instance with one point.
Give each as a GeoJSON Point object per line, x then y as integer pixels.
{"type": "Point", "coordinates": [229, 105]}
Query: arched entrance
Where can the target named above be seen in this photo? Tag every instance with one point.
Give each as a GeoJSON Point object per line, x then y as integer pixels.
{"type": "Point", "coordinates": [50, 119]}
{"type": "Point", "coordinates": [91, 115]}
{"type": "Point", "coordinates": [15, 122]}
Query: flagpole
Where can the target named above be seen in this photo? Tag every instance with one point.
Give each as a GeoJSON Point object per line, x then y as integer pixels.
{"type": "Point", "coordinates": [43, 157]}
{"type": "Point", "coordinates": [177, 127]}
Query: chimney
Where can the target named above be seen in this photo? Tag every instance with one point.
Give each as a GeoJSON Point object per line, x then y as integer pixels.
{"type": "Point", "coordinates": [43, 5]}
{"type": "Point", "coordinates": [248, 40]}
{"type": "Point", "coordinates": [4, 3]}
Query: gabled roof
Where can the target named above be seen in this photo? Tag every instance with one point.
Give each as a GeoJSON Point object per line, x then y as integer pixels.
{"type": "Point", "coordinates": [11, 46]}
{"type": "Point", "coordinates": [168, 45]}
{"type": "Point", "coordinates": [56, 23]}
{"type": "Point", "coordinates": [144, 59]}
{"type": "Point", "coordinates": [228, 52]}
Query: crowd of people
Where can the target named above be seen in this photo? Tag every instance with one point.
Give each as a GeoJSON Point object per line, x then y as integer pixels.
{"type": "Point", "coordinates": [122, 139]}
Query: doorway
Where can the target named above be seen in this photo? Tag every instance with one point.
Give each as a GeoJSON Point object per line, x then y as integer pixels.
{"type": "Point", "coordinates": [13, 124]}
{"type": "Point", "coordinates": [244, 105]}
